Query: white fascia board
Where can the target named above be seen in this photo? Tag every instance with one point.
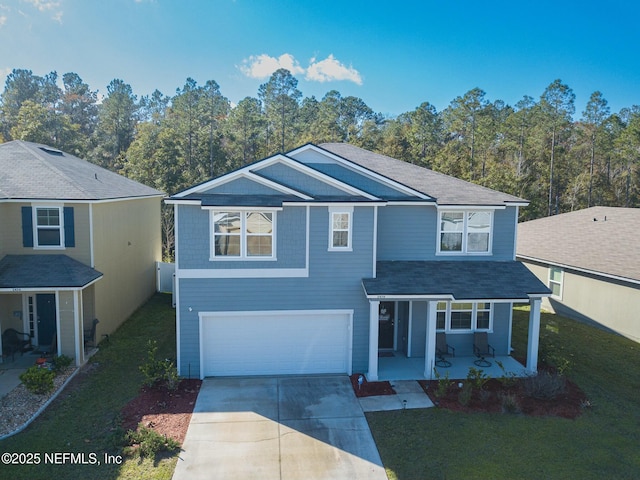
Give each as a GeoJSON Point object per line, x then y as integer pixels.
{"type": "Point", "coordinates": [409, 203]}
{"type": "Point", "coordinates": [301, 167]}
{"type": "Point", "coordinates": [171, 201]}
{"type": "Point", "coordinates": [524, 258]}
{"type": "Point", "coordinates": [470, 207]}
{"type": "Point", "coordinates": [362, 170]}
{"type": "Point", "coordinates": [235, 208]}
{"type": "Point", "coordinates": [335, 204]}
{"type": "Point", "coordinates": [205, 273]}
{"type": "Point", "coordinates": [68, 201]}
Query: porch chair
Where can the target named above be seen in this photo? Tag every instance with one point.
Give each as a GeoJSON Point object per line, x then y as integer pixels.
{"type": "Point", "coordinates": [14, 341]}
{"type": "Point", "coordinates": [90, 333]}
{"type": "Point", "coordinates": [481, 349]}
{"type": "Point", "coordinates": [442, 349]}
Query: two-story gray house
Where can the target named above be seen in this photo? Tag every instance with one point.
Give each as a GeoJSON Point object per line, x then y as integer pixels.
{"type": "Point", "coordinates": [325, 258]}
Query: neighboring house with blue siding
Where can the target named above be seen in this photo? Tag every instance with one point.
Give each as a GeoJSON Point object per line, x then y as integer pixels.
{"type": "Point", "coordinates": [77, 242]}
{"type": "Point", "coordinates": [318, 260]}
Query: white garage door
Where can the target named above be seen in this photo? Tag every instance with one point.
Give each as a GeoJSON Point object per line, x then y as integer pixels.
{"type": "Point", "coordinates": [275, 343]}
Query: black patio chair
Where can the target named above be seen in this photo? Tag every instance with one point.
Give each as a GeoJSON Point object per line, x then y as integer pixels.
{"type": "Point", "coordinates": [482, 349]}
{"type": "Point", "coordinates": [90, 333]}
{"type": "Point", "coordinates": [14, 341]}
{"type": "Point", "coordinates": [442, 349]}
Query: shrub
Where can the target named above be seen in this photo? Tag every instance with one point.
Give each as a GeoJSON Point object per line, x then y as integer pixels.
{"type": "Point", "coordinates": [508, 379]}
{"type": "Point", "coordinates": [38, 380]}
{"type": "Point", "coordinates": [509, 403]}
{"type": "Point", "coordinates": [477, 378]}
{"type": "Point", "coordinates": [443, 384]}
{"type": "Point", "coordinates": [156, 371]}
{"type": "Point", "coordinates": [544, 385]}
{"type": "Point", "coordinates": [150, 442]}
{"type": "Point", "coordinates": [60, 363]}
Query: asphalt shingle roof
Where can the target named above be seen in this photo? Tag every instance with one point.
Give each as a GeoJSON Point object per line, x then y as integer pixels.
{"type": "Point", "coordinates": [45, 271]}
{"type": "Point", "coordinates": [445, 189]}
{"type": "Point", "coordinates": [464, 280]}
{"type": "Point", "coordinates": [599, 239]}
{"type": "Point", "coordinates": [34, 171]}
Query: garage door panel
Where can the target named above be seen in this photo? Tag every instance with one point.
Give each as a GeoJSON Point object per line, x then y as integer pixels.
{"type": "Point", "coordinates": [273, 343]}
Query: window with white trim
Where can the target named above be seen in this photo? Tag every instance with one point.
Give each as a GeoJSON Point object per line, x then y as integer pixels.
{"type": "Point", "coordinates": [48, 224]}
{"type": "Point", "coordinates": [464, 316]}
{"type": "Point", "coordinates": [243, 234]}
{"type": "Point", "coordinates": [340, 226]}
{"type": "Point", "coordinates": [464, 231]}
{"type": "Point", "coordinates": [555, 281]}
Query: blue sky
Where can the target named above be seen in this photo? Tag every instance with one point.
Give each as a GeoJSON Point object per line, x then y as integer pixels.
{"type": "Point", "coordinates": [394, 55]}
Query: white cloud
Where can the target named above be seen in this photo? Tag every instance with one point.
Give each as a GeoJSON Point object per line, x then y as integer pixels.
{"type": "Point", "coordinates": [48, 6]}
{"type": "Point", "coordinates": [330, 69]}
{"type": "Point", "coordinates": [3, 20]}
{"type": "Point", "coordinates": [262, 66]}
{"type": "Point", "coordinates": [327, 70]}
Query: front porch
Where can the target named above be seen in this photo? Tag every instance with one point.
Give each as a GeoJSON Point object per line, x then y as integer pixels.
{"type": "Point", "coordinates": [399, 367]}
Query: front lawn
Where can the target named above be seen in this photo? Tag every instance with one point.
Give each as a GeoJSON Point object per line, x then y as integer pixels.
{"type": "Point", "coordinates": [85, 418]}
{"type": "Point", "coordinates": [602, 443]}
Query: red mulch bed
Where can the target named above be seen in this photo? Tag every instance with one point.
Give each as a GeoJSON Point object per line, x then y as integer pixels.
{"type": "Point", "coordinates": [165, 411]}
{"type": "Point", "coordinates": [568, 405]}
{"type": "Point", "coordinates": [368, 389]}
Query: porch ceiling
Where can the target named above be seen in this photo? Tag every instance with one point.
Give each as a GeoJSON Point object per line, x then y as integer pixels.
{"type": "Point", "coordinates": [45, 271]}
{"type": "Point", "coordinates": [462, 280]}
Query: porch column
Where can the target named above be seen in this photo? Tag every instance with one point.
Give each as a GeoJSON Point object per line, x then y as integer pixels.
{"type": "Point", "coordinates": [372, 374]}
{"type": "Point", "coordinates": [430, 345]}
{"type": "Point", "coordinates": [534, 335]}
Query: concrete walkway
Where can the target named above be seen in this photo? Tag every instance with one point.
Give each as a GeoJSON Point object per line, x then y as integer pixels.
{"type": "Point", "coordinates": [409, 394]}
{"type": "Point", "coordinates": [293, 428]}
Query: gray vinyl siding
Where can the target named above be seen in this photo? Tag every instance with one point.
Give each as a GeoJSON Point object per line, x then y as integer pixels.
{"type": "Point", "coordinates": [243, 186]}
{"type": "Point", "coordinates": [334, 282]}
{"type": "Point", "coordinates": [298, 181]}
{"type": "Point", "coordinates": [411, 233]}
{"type": "Point", "coordinates": [194, 235]}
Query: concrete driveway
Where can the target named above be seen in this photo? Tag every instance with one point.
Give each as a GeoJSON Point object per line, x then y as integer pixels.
{"type": "Point", "coordinates": [285, 428]}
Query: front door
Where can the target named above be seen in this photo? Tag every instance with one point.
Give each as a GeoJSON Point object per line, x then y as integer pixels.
{"type": "Point", "coordinates": [46, 312]}
{"type": "Point", "coordinates": [386, 325]}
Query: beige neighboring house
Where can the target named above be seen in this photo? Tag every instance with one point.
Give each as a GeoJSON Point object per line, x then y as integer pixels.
{"type": "Point", "coordinates": [590, 259]}
{"type": "Point", "coordinates": [77, 243]}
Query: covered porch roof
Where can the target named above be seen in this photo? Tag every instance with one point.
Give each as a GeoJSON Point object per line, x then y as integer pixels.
{"type": "Point", "coordinates": [455, 280]}
{"type": "Point", "coordinates": [33, 272]}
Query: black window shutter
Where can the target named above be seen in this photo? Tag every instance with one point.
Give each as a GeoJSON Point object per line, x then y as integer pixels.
{"type": "Point", "coordinates": [27, 227]}
{"type": "Point", "coordinates": [69, 229]}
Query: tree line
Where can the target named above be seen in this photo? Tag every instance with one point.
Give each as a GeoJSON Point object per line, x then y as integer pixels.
{"type": "Point", "coordinates": [538, 149]}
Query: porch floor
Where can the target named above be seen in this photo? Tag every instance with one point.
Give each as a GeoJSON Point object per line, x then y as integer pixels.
{"type": "Point", "coordinates": [399, 367]}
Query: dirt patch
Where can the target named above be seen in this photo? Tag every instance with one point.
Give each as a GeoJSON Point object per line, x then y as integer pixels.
{"type": "Point", "coordinates": [165, 411]}
{"type": "Point", "coordinates": [369, 389]}
{"type": "Point", "coordinates": [493, 398]}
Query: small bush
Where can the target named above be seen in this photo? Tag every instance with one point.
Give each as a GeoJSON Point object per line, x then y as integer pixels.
{"type": "Point", "coordinates": [150, 442]}
{"type": "Point", "coordinates": [38, 380]}
{"type": "Point", "coordinates": [464, 396]}
{"type": "Point", "coordinates": [508, 379]}
{"type": "Point", "coordinates": [484, 395]}
{"type": "Point", "coordinates": [443, 384]}
{"type": "Point", "coordinates": [544, 385]}
{"type": "Point", "coordinates": [156, 371]}
{"type": "Point", "coordinates": [509, 403]}
{"type": "Point", "coordinates": [477, 378]}
{"type": "Point", "coordinates": [60, 363]}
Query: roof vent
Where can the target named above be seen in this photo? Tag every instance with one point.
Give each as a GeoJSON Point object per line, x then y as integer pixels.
{"type": "Point", "coordinates": [52, 151]}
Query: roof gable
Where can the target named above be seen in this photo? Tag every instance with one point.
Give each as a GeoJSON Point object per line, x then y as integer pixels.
{"type": "Point", "coordinates": [446, 190]}
{"type": "Point", "coordinates": [31, 171]}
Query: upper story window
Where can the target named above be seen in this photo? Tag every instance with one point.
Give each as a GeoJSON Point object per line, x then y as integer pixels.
{"type": "Point", "coordinates": [49, 232]}
{"type": "Point", "coordinates": [463, 316]}
{"type": "Point", "coordinates": [465, 232]}
{"type": "Point", "coordinates": [48, 227]}
{"type": "Point", "coordinates": [555, 281]}
{"type": "Point", "coordinates": [340, 225]}
{"type": "Point", "coordinates": [243, 234]}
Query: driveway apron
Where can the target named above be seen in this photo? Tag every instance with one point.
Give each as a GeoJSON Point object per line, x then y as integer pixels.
{"type": "Point", "coordinates": [285, 428]}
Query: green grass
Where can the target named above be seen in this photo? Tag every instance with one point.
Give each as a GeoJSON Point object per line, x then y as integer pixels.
{"type": "Point", "coordinates": [85, 418]}
{"type": "Point", "coordinates": [604, 442]}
